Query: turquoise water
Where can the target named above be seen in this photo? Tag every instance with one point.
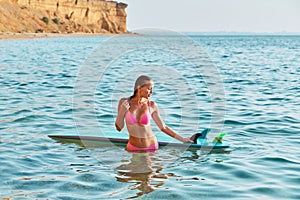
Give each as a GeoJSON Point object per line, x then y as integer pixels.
{"type": "Point", "coordinates": [258, 106]}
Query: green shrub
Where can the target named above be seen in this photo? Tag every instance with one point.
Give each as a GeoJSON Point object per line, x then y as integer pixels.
{"type": "Point", "coordinates": [55, 20]}
{"type": "Point", "coordinates": [46, 20]}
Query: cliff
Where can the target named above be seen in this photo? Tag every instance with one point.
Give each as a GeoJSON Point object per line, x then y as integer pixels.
{"type": "Point", "coordinates": [62, 16]}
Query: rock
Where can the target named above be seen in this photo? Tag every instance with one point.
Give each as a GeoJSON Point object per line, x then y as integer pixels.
{"type": "Point", "coordinates": [90, 16]}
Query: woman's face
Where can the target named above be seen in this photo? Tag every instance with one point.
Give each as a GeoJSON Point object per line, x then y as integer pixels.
{"type": "Point", "coordinates": [146, 90]}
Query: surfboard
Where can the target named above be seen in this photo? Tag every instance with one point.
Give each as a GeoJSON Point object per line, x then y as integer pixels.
{"type": "Point", "coordinates": [94, 141]}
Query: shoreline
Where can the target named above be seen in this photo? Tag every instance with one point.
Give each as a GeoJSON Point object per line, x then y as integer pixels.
{"type": "Point", "coordinates": [25, 36]}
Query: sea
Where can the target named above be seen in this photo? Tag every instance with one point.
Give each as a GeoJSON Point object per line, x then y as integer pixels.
{"type": "Point", "coordinates": [244, 85]}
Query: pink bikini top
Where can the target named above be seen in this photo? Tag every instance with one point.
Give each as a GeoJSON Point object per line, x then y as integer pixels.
{"type": "Point", "coordinates": [144, 120]}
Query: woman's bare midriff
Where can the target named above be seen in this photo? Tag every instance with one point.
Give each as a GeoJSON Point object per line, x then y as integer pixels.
{"type": "Point", "coordinates": [142, 142]}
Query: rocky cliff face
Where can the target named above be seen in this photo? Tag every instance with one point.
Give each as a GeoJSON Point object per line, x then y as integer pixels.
{"type": "Point", "coordinates": [62, 16]}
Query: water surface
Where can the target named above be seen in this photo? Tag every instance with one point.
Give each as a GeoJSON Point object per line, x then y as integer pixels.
{"type": "Point", "coordinates": [260, 79]}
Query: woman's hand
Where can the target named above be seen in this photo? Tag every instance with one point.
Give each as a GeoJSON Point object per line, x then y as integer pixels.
{"type": "Point", "coordinates": [124, 107]}
{"type": "Point", "coordinates": [187, 140]}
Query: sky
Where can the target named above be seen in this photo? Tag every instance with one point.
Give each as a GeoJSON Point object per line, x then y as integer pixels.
{"type": "Point", "coordinates": [214, 15]}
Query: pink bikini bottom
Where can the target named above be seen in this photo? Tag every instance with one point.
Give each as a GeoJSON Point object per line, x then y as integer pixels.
{"type": "Point", "coordinates": [130, 147]}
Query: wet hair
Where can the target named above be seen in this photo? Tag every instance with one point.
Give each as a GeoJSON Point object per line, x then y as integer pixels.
{"type": "Point", "coordinates": [140, 82]}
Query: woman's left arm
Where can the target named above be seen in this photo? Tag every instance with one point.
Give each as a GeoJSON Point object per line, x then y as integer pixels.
{"type": "Point", "coordinates": [164, 128]}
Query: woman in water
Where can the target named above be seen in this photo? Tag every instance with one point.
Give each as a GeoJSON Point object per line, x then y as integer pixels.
{"type": "Point", "coordinates": [137, 110]}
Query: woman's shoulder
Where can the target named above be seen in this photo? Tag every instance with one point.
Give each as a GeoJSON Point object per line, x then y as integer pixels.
{"type": "Point", "coordinates": [152, 104]}
{"type": "Point", "coordinates": [124, 99]}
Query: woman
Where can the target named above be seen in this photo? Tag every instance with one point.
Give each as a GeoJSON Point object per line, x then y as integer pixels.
{"type": "Point", "coordinates": [136, 110]}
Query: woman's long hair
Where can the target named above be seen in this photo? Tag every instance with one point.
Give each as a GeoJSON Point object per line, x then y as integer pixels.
{"type": "Point", "coordinates": [140, 82]}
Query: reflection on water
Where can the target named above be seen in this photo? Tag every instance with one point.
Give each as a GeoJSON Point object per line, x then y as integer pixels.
{"type": "Point", "coordinates": [141, 170]}
{"type": "Point", "coordinates": [146, 172]}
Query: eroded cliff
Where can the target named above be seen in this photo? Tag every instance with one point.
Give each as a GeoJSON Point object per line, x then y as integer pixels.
{"type": "Point", "coordinates": [62, 16]}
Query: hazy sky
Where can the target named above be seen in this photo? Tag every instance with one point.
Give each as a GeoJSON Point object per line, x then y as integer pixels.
{"type": "Point", "coordinates": [215, 15]}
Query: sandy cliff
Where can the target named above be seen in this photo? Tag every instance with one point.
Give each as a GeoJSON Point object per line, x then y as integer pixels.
{"type": "Point", "coordinates": [62, 16]}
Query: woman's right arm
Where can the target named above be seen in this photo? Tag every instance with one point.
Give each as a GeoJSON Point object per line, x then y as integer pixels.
{"type": "Point", "coordinates": [122, 109]}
